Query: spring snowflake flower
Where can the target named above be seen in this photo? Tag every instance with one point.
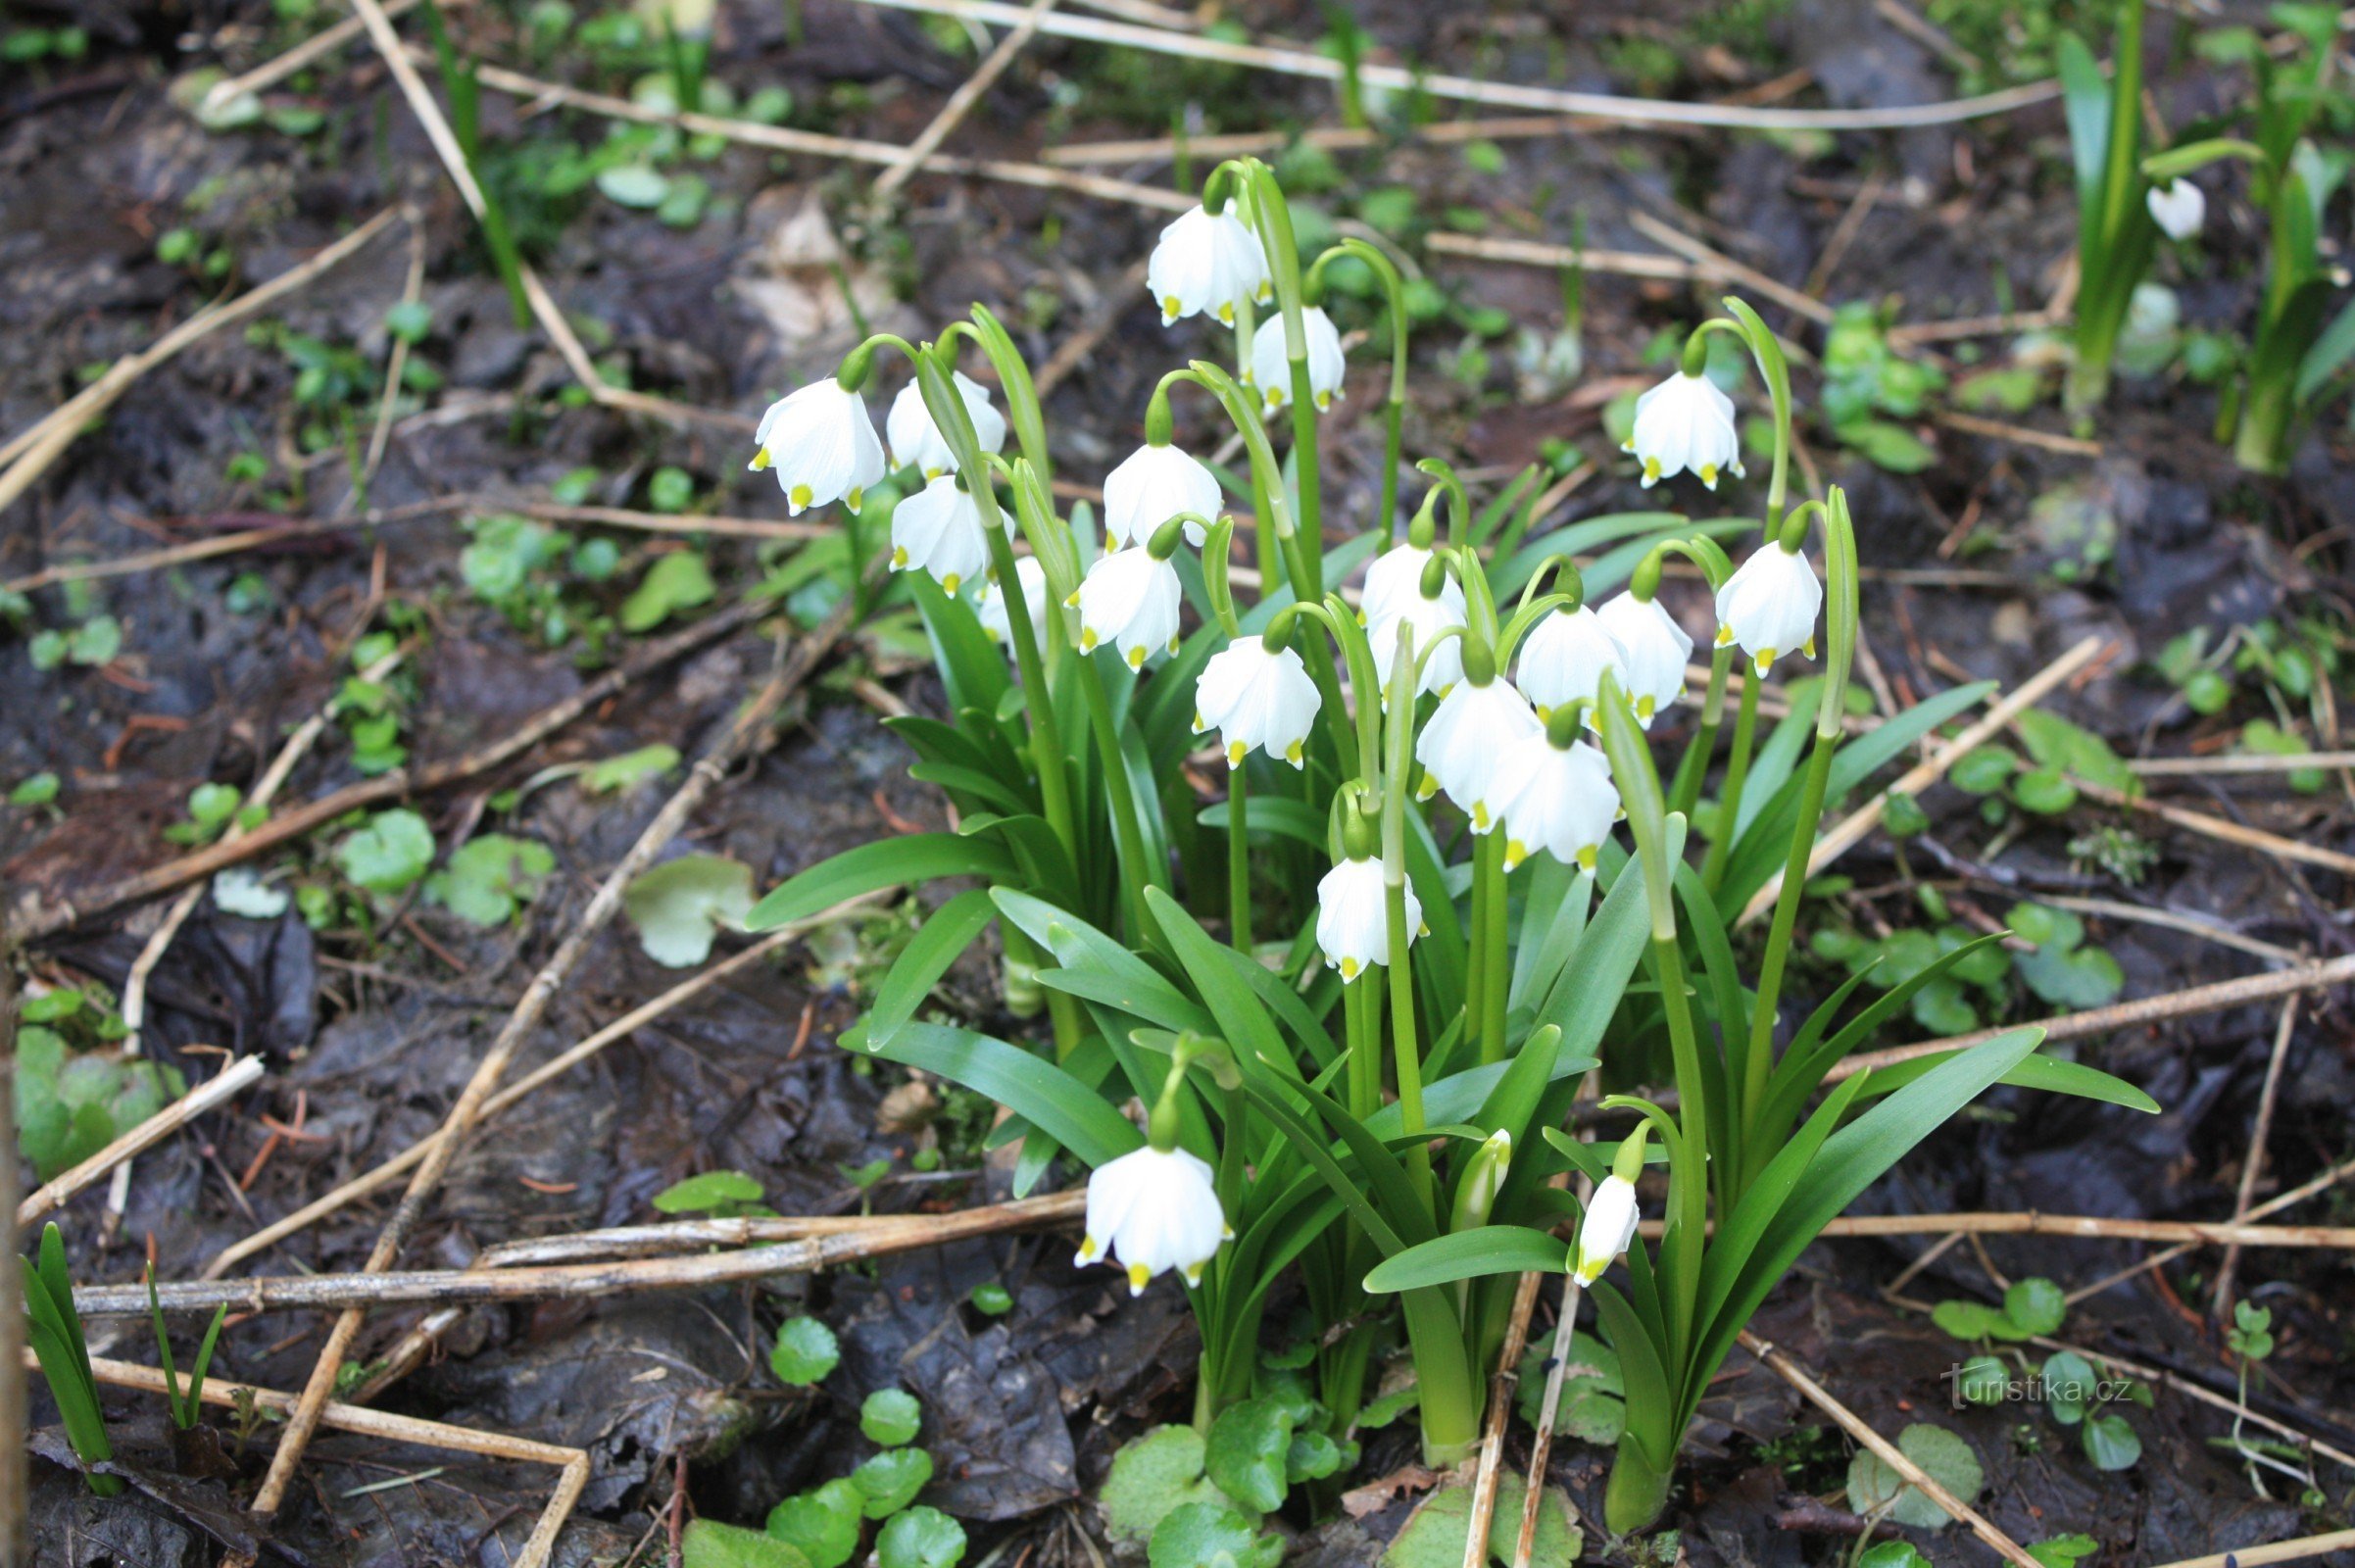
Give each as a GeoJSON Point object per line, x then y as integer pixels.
{"type": "Point", "coordinates": [1257, 698]}
{"type": "Point", "coordinates": [1558, 799]}
{"type": "Point", "coordinates": [917, 443]}
{"type": "Point", "coordinates": [822, 444]}
{"type": "Point", "coordinates": [1352, 917]}
{"type": "Point", "coordinates": [2180, 208]}
{"type": "Point", "coordinates": [990, 606]}
{"type": "Point", "coordinates": [1206, 262]}
{"type": "Point", "coordinates": [1563, 658]}
{"type": "Point", "coordinates": [1769, 606]}
{"type": "Point", "coordinates": [1608, 1231]}
{"type": "Point", "coordinates": [1652, 651]}
{"type": "Point", "coordinates": [937, 531]}
{"type": "Point", "coordinates": [1428, 618]}
{"type": "Point", "coordinates": [1130, 600]}
{"type": "Point", "coordinates": [1271, 370]}
{"type": "Point", "coordinates": [1151, 485]}
{"type": "Point", "coordinates": [1473, 729]}
{"type": "Point", "coordinates": [1395, 577]}
{"type": "Point", "coordinates": [1152, 1210]}
{"type": "Point", "coordinates": [1685, 422]}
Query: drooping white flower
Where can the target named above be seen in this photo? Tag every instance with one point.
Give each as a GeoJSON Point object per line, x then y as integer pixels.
{"type": "Point", "coordinates": [937, 531]}
{"type": "Point", "coordinates": [990, 606]}
{"type": "Point", "coordinates": [917, 443]}
{"type": "Point", "coordinates": [1271, 369]}
{"type": "Point", "coordinates": [822, 444]}
{"type": "Point", "coordinates": [2180, 208]}
{"type": "Point", "coordinates": [1563, 658]}
{"type": "Point", "coordinates": [1152, 1210]}
{"type": "Point", "coordinates": [1205, 262]}
{"type": "Point", "coordinates": [1652, 651]}
{"type": "Point", "coordinates": [1685, 422]}
{"type": "Point", "coordinates": [1468, 735]}
{"type": "Point", "coordinates": [1130, 600]}
{"type": "Point", "coordinates": [1352, 916]}
{"type": "Point", "coordinates": [1257, 698]}
{"type": "Point", "coordinates": [1395, 577]}
{"type": "Point", "coordinates": [1428, 618]}
{"type": "Point", "coordinates": [1151, 485]}
{"type": "Point", "coordinates": [1769, 606]}
{"type": "Point", "coordinates": [1558, 799]}
{"type": "Point", "coordinates": [1608, 1230]}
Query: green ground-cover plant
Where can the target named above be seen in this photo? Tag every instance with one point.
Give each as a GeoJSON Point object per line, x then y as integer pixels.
{"type": "Point", "coordinates": [1356, 1014]}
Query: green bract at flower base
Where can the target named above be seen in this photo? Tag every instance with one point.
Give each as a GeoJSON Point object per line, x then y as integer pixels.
{"type": "Point", "coordinates": [1356, 1026]}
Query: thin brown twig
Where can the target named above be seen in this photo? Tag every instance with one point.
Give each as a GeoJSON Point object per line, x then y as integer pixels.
{"type": "Point", "coordinates": [1890, 1453]}
{"type": "Point", "coordinates": [2206, 928]}
{"type": "Point", "coordinates": [232, 1080]}
{"type": "Point", "coordinates": [750, 732]}
{"type": "Point", "coordinates": [2217, 827]}
{"type": "Point", "coordinates": [2272, 1206]}
{"type": "Point", "coordinates": [961, 101]}
{"type": "Point", "coordinates": [1499, 1415]}
{"type": "Point", "coordinates": [2253, 1167]}
{"type": "Point", "coordinates": [34, 918]}
{"type": "Point", "coordinates": [2297, 1550]}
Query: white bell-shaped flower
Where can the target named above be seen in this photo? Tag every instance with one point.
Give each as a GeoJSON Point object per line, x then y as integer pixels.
{"type": "Point", "coordinates": [1254, 697]}
{"type": "Point", "coordinates": [917, 443]}
{"type": "Point", "coordinates": [990, 606]}
{"type": "Point", "coordinates": [822, 444]}
{"type": "Point", "coordinates": [1769, 606]}
{"type": "Point", "coordinates": [1393, 577]}
{"type": "Point", "coordinates": [1429, 617]}
{"type": "Point", "coordinates": [1130, 600]}
{"type": "Point", "coordinates": [1272, 369]}
{"type": "Point", "coordinates": [1352, 916]}
{"type": "Point", "coordinates": [939, 530]}
{"type": "Point", "coordinates": [2180, 208]}
{"type": "Point", "coordinates": [1206, 261]}
{"type": "Point", "coordinates": [1685, 422]}
{"type": "Point", "coordinates": [1607, 1230]}
{"type": "Point", "coordinates": [1558, 799]}
{"type": "Point", "coordinates": [1652, 651]}
{"type": "Point", "coordinates": [1563, 658]}
{"type": "Point", "coordinates": [1152, 1210]}
{"type": "Point", "coordinates": [1151, 485]}
{"type": "Point", "coordinates": [1468, 735]}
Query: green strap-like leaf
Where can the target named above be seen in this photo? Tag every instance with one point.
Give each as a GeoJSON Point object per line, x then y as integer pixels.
{"type": "Point", "coordinates": [939, 943]}
{"type": "Point", "coordinates": [887, 862]}
{"type": "Point", "coordinates": [1052, 1099]}
{"type": "Point", "coordinates": [1471, 1255]}
{"type": "Point", "coordinates": [2038, 1071]}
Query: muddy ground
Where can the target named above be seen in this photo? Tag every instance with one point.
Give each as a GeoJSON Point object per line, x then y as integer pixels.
{"type": "Point", "coordinates": [368, 1034]}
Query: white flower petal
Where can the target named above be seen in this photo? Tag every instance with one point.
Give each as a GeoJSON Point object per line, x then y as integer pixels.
{"type": "Point", "coordinates": [822, 444]}
{"type": "Point", "coordinates": [939, 530]}
{"type": "Point", "coordinates": [1151, 485]}
{"type": "Point", "coordinates": [1685, 423]}
{"type": "Point", "coordinates": [1608, 1230]}
{"type": "Point", "coordinates": [1769, 606]}
{"type": "Point", "coordinates": [1129, 600]}
{"type": "Point", "coordinates": [1652, 651]}
{"type": "Point", "coordinates": [1352, 917]}
{"type": "Point", "coordinates": [917, 443]}
{"type": "Point", "coordinates": [1271, 365]}
{"type": "Point", "coordinates": [1255, 698]}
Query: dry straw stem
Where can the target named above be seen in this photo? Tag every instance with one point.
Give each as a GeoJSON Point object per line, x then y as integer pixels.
{"type": "Point", "coordinates": [1851, 830]}
{"type": "Point", "coordinates": [578, 1281]}
{"type": "Point", "coordinates": [749, 733]}
{"type": "Point", "coordinates": [221, 1086]}
{"type": "Point", "coordinates": [1299, 62]}
{"type": "Point", "coordinates": [34, 917]}
{"type": "Point", "coordinates": [1500, 1416]}
{"type": "Point", "coordinates": [622, 1028]}
{"type": "Point", "coordinates": [2253, 1166]}
{"type": "Point", "coordinates": [1890, 1453]}
{"type": "Point", "coordinates": [2216, 827]}
{"type": "Point", "coordinates": [1720, 265]}
{"type": "Point", "coordinates": [31, 451]}
{"type": "Point", "coordinates": [2238, 762]}
{"type": "Point", "coordinates": [2273, 1206]}
{"type": "Point", "coordinates": [2206, 927]}
{"type": "Point", "coordinates": [2068, 446]}
{"type": "Point", "coordinates": [571, 1463]}
{"type": "Point", "coordinates": [2184, 1004]}
{"type": "Point", "coordinates": [2297, 1550]}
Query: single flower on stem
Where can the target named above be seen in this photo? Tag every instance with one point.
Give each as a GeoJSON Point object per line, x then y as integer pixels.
{"type": "Point", "coordinates": [1353, 921]}
{"type": "Point", "coordinates": [822, 445]}
{"type": "Point", "coordinates": [1653, 652]}
{"type": "Point", "coordinates": [990, 606]}
{"type": "Point", "coordinates": [1554, 792]}
{"type": "Point", "coordinates": [1609, 1228]}
{"type": "Point", "coordinates": [1257, 696]}
{"type": "Point", "coordinates": [1271, 365]}
{"type": "Point", "coordinates": [1477, 724]}
{"type": "Point", "coordinates": [2180, 208]}
{"type": "Point", "coordinates": [1769, 605]}
{"type": "Point", "coordinates": [1152, 1210]}
{"type": "Point", "coordinates": [1149, 486]}
{"type": "Point", "coordinates": [917, 443]}
{"type": "Point", "coordinates": [1685, 422]}
{"type": "Point", "coordinates": [1130, 599]}
{"type": "Point", "coordinates": [1207, 261]}
{"type": "Point", "coordinates": [1395, 578]}
{"type": "Point", "coordinates": [1563, 658]}
{"type": "Point", "coordinates": [939, 530]}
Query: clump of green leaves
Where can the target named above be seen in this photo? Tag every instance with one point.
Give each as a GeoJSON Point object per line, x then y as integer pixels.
{"type": "Point", "coordinates": [187, 1405]}
{"type": "Point", "coordinates": [1870, 389]}
{"type": "Point", "coordinates": [75, 1095]}
{"type": "Point", "coordinates": [388, 853]}
{"type": "Point", "coordinates": [720, 1193]}
{"type": "Point", "coordinates": [2072, 1392]}
{"type": "Point", "coordinates": [489, 877]}
{"type": "Point", "coordinates": [374, 711]}
{"type": "Point", "coordinates": [54, 1329]}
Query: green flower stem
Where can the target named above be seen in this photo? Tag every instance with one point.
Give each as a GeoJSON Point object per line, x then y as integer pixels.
{"type": "Point", "coordinates": [1361, 1019]}
{"type": "Point", "coordinates": [1403, 1033]}
{"type": "Point", "coordinates": [1775, 370]}
{"type": "Point", "coordinates": [1451, 1393]}
{"type": "Point", "coordinates": [1758, 1062]}
{"type": "Point", "coordinates": [1737, 773]}
{"type": "Point", "coordinates": [1694, 766]}
{"type": "Point", "coordinates": [1239, 858]}
{"type": "Point", "coordinates": [1489, 968]}
{"type": "Point", "coordinates": [1682, 1293]}
{"type": "Point", "coordinates": [1135, 873]}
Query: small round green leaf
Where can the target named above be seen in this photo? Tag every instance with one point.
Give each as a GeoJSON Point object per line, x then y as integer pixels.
{"type": "Point", "coordinates": [2036, 1306]}
{"type": "Point", "coordinates": [921, 1538]}
{"type": "Point", "coordinates": [890, 1417]}
{"type": "Point", "coordinates": [1982, 1380]}
{"type": "Point", "coordinates": [2111, 1443]}
{"type": "Point", "coordinates": [889, 1480]}
{"type": "Point", "coordinates": [714, 1545]}
{"type": "Point", "coordinates": [1248, 1452]}
{"type": "Point", "coordinates": [699, 1195]}
{"type": "Point", "coordinates": [822, 1525]}
{"type": "Point", "coordinates": [992, 1298]}
{"type": "Point", "coordinates": [805, 1352]}
{"type": "Point", "coordinates": [1205, 1535]}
